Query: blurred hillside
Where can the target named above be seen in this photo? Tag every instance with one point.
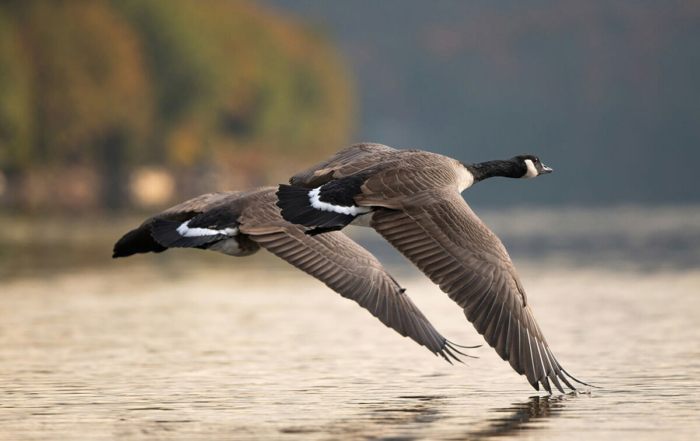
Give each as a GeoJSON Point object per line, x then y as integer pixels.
{"type": "Point", "coordinates": [606, 93]}
{"type": "Point", "coordinates": [114, 103]}
{"type": "Point", "coordinates": [105, 104]}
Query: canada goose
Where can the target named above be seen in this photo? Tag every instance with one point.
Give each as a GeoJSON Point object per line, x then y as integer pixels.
{"type": "Point", "coordinates": [412, 199]}
{"type": "Point", "coordinates": [239, 223]}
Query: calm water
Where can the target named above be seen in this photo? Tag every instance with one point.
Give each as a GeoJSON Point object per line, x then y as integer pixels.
{"type": "Point", "coordinates": [196, 347]}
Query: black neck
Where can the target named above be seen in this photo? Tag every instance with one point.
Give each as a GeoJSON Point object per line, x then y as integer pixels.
{"type": "Point", "coordinates": [507, 168]}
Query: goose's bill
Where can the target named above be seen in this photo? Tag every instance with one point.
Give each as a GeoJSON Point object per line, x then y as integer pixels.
{"type": "Point", "coordinates": [545, 170]}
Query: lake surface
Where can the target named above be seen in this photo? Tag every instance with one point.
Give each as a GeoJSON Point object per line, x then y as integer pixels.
{"type": "Point", "coordinates": [192, 345]}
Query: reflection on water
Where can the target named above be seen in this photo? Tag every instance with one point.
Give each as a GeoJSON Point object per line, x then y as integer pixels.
{"type": "Point", "coordinates": [424, 411]}
{"type": "Point", "coordinates": [522, 416]}
{"type": "Point", "coordinates": [380, 417]}
{"type": "Point", "coordinates": [149, 350]}
{"type": "Point", "coordinates": [193, 345]}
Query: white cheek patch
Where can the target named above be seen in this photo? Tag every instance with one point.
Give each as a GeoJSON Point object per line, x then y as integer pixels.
{"type": "Point", "coordinates": [197, 232]}
{"type": "Point", "coordinates": [314, 198]}
{"type": "Point", "coordinates": [531, 170]}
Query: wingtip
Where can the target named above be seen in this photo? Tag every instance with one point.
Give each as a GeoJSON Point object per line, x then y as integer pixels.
{"type": "Point", "coordinates": [555, 380]}
{"type": "Point", "coordinates": [442, 354]}
{"type": "Point", "coordinates": [546, 385]}
{"type": "Point", "coordinates": [460, 346]}
{"type": "Point", "coordinates": [579, 381]}
{"type": "Point", "coordinates": [445, 349]}
{"type": "Point", "coordinates": [450, 345]}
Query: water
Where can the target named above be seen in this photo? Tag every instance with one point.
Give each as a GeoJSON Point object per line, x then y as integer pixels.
{"type": "Point", "coordinates": [191, 346]}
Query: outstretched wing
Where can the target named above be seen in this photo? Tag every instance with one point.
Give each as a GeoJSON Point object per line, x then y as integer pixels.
{"type": "Point", "coordinates": [449, 243]}
{"type": "Point", "coordinates": [348, 269]}
{"type": "Point", "coordinates": [351, 160]}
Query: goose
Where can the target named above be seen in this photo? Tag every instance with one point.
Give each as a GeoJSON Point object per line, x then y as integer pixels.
{"type": "Point", "coordinates": [413, 200]}
{"type": "Point", "coordinates": [239, 223]}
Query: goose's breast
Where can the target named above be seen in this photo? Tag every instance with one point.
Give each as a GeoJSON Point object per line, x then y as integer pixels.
{"type": "Point", "coordinates": [464, 177]}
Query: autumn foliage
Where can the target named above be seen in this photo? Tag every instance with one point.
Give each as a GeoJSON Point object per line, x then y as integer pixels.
{"type": "Point", "coordinates": [219, 95]}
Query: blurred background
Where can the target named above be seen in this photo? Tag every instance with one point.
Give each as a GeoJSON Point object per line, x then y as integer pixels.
{"type": "Point", "coordinates": [113, 105]}
{"type": "Point", "coordinates": [112, 110]}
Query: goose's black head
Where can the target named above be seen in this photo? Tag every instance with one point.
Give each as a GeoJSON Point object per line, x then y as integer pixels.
{"type": "Point", "coordinates": [518, 167]}
{"type": "Point", "coordinates": [531, 166]}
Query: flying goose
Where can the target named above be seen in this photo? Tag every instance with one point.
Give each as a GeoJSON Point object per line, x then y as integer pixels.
{"type": "Point", "coordinates": [239, 223]}
{"type": "Point", "coordinates": [412, 199]}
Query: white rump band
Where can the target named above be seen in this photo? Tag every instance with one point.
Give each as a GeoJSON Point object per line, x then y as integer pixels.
{"type": "Point", "coordinates": [314, 197]}
{"type": "Point", "coordinates": [197, 232]}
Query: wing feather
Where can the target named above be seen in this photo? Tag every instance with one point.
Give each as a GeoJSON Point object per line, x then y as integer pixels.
{"type": "Point", "coordinates": [448, 243]}
{"type": "Point", "coordinates": [352, 159]}
{"type": "Point", "coordinates": [345, 267]}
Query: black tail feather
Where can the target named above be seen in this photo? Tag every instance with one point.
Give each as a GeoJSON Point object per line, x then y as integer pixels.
{"type": "Point", "coordinates": [296, 208]}
{"type": "Point", "coordinates": [165, 233]}
{"type": "Point", "coordinates": [137, 241]}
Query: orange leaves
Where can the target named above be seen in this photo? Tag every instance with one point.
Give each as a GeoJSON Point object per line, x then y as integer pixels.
{"type": "Point", "coordinates": [190, 85]}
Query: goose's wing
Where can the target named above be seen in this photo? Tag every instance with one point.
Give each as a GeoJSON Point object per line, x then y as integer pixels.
{"type": "Point", "coordinates": [201, 203]}
{"type": "Point", "coordinates": [350, 160]}
{"type": "Point", "coordinates": [440, 234]}
{"type": "Point", "coordinates": [346, 268]}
